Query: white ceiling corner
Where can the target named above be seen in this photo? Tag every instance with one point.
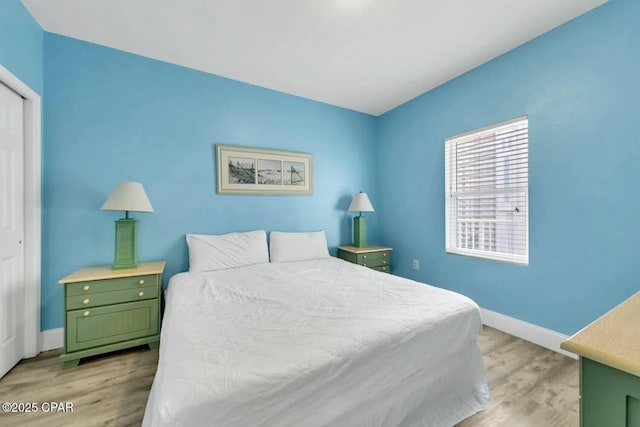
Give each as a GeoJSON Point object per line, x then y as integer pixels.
{"type": "Point", "coordinates": [364, 55]}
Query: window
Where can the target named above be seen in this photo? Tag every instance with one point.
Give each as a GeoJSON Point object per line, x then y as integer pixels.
{"type": "Point", "coordinates": [487, 192]}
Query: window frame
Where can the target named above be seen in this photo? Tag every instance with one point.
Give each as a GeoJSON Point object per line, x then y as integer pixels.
{"type": "Point", "coordinates": [452, 234]}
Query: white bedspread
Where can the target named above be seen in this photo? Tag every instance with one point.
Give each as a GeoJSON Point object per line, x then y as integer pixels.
{"type": "Point", "coordinates": [315, 343]}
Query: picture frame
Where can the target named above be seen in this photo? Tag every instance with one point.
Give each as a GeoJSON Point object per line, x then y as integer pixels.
{"type": "Point", "coordinates": [249, 170]}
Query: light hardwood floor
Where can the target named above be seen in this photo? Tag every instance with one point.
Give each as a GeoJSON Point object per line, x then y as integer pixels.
{"type": "Point", "coordinates": [530, 386]}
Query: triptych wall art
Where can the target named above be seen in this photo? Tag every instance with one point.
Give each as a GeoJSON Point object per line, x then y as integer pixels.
{"type": "Point", "coordinates": [246, 170]}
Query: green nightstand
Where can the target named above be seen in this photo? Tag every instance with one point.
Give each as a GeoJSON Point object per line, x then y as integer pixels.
{"type": "Point", "coordinates": [375, 257]}
{"type": "Point", "coordinates": [108, 310]}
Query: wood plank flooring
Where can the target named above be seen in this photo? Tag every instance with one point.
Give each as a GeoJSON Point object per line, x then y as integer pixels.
{"type": "Point", "coordinates": [106, 390]}
{"type": "Point", "coordinates": [530, 387]}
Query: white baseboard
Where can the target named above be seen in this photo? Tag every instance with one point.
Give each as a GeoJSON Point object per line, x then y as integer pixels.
{"type": "Point", "coordinates": [527, 331]}
{"type": "Point", "coordinates": [51, 339]}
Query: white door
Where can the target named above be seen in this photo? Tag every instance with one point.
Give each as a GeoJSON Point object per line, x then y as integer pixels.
{"type": "Point", "coordinates": [11, 229]}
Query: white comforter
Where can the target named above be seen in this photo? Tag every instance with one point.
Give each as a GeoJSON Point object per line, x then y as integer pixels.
{"type": "Point", "coordinates": [315, 343]}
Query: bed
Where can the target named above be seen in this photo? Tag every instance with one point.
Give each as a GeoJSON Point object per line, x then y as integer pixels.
{"type": "Point", "coordinates": [317, 342]}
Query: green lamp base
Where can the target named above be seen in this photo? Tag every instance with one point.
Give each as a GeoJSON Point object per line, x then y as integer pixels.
{"type": "Point", "coordinates": [126, 248]}
{"type": "Point", "coordinates": [360, 232]}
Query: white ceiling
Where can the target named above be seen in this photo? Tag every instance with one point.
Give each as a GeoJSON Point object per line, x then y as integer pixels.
{"type": "Point", "coordinates": [365, 55]}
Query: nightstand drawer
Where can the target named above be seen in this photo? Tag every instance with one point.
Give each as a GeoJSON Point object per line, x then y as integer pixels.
{"type": "Point", "coordinates": [107, 285]}
{"type": "Point", "coordinates": [111, 297]}
{"type": "Point", "coordinates": [373, 259]}
{"type": "Point", "coordinates": [111, 324]}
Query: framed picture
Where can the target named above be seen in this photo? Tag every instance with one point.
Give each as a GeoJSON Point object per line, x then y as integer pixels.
{"type": "Point", "coordinates": [246, 170]}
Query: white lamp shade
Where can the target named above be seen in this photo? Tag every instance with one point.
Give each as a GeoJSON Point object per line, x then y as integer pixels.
{"type": "Point", "coordinates": [361, 203]}
{"type": "Point", "coordinates": [128, 196]}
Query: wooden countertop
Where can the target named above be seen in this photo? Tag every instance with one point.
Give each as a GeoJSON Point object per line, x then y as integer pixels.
{"type": "Point", "coordinates": [613, 339]}
{"type": "Point", "coordinates": [106, 272]}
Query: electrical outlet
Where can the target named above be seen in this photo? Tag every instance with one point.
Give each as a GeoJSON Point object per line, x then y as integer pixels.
{"type": "Point", "coordinates": [416, 264]}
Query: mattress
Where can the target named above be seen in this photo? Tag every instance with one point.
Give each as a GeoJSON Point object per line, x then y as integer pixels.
{"type": "Point", "coordinates": [315, 343]}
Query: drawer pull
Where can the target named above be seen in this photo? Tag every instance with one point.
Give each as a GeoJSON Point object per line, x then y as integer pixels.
{"type": "Point", "coordinates": [384, 254]}
{"type": "Point", "coordinates": [141, 281]}
{"type": "Point", "coordinates": [85, 301]}
{"type": "Point", "coordinates": [86, 313]}
{"type": "Point", "coordinates": [140, 294]}
{"type": "Point", "coordinates": [384, 261]}
{"type": "Point", "coordinates": [364, 265]}
{"type": "Point", "coordinates": [86, 287]}
{"type": "Point", "coordinates": [364, 257]}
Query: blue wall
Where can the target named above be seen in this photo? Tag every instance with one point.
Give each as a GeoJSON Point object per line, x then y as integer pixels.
{"type": "Point", "coordinates": [21, 44]}
{"type": "Point", "coordinates": [113, 116]}
{"type": "Point", "coordinates": [579, 85]}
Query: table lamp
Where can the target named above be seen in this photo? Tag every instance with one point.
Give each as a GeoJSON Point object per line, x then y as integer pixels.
{"type": "Point", "coordinates": [127, 196]}
{"type": "Point", "coordinates": [360, 203]}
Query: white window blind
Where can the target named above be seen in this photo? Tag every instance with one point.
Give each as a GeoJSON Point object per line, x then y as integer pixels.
{"type": "Point", "coordinates": [487, 192]}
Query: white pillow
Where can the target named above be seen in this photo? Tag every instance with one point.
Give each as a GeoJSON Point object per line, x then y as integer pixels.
{"type": "Point", "coordinates": [284, 247]}
{"type": "Point", "coordinates": [210, 253]}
